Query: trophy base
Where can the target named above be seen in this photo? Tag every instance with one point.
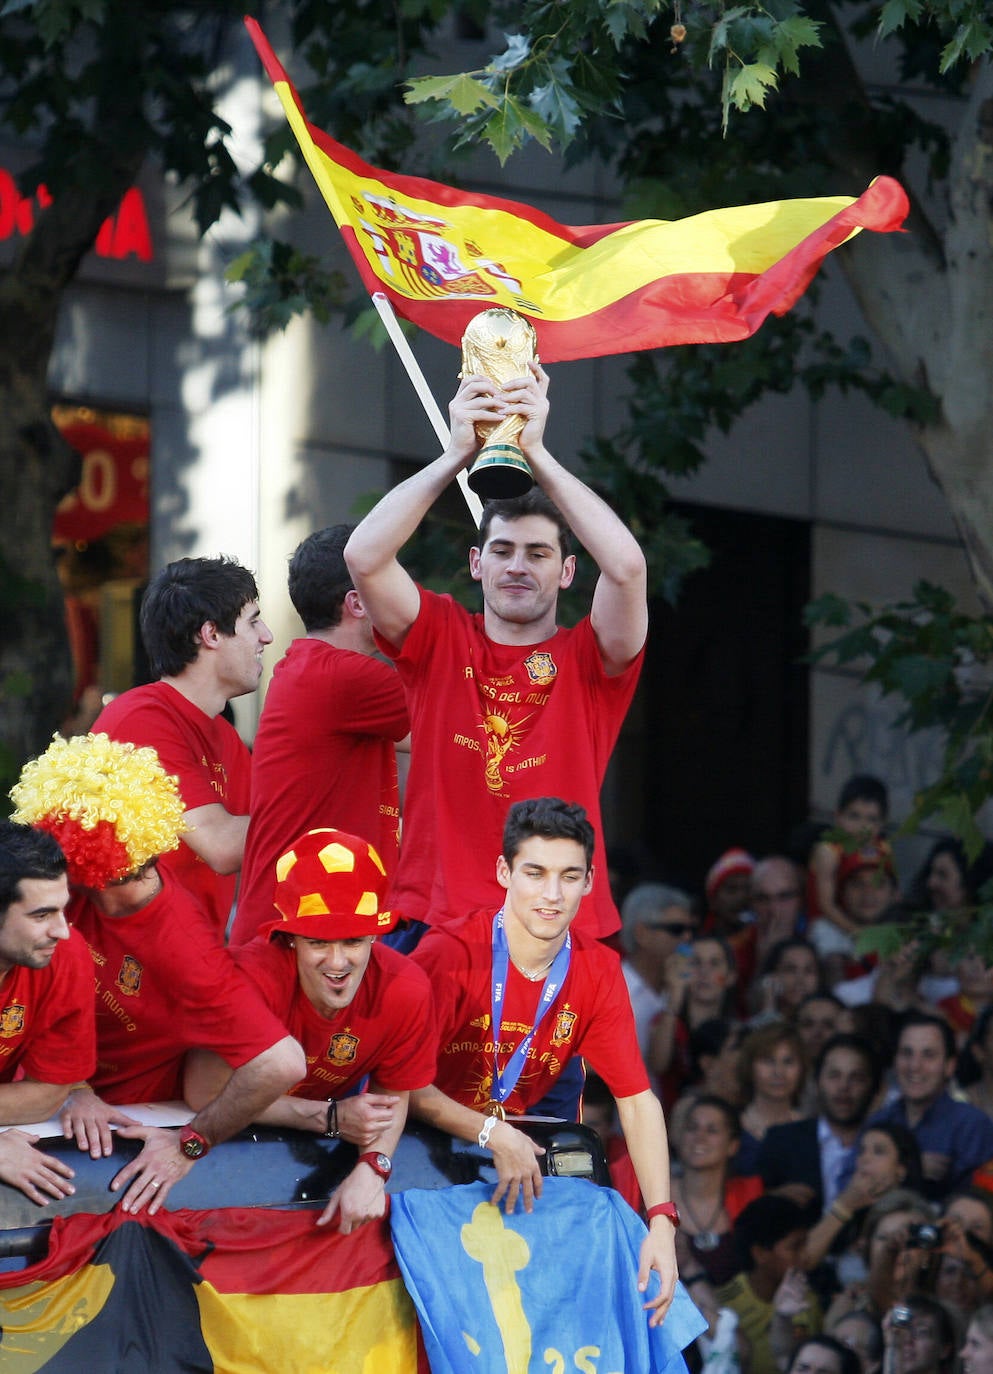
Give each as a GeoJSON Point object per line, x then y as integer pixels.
{"type": "Point", "coordinates": [499, 473]}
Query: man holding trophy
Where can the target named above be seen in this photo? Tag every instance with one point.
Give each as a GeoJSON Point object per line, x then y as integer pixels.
{"type": "Point", "coordinates": [504, 705]}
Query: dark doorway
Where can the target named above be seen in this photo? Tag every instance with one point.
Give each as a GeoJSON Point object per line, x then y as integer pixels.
{"type": "Point", "coordinates": [725, 698]}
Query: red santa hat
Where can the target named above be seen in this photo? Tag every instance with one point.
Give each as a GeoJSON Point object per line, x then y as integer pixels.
{"type": "Point", "coordinates": [731, 861]}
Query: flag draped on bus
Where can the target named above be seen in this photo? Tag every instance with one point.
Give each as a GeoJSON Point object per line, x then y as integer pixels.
{"type": "Point", "coordinates": [441, 254]}
{"type": "Point", "coordinates": [209, 1290]}
{"type": "Point", "coordinates": [556, 1287]}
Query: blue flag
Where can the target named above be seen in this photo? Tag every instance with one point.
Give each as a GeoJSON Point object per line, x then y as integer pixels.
{"type": "Point", "coordinates": [554, 1291]}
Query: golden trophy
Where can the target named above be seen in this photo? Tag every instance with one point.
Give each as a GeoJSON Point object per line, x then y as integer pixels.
{"type": "Point", "coordinates": [499, 344]}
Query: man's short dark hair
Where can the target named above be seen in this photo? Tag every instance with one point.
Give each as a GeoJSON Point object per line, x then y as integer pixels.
{"type": "Point", "coordinates": [25, 853]}
{"type": "Point", "coordinates": [551, 819]}
{"type": "Point", "coordinates": [858, 1045]}
{"type": "Point", "coordinates": [319, 580]}
{"type": "Point", "coordinates": [533, 502]}
{"type": "Point", "coordinates": [923, 1018]}
{"type": "Point", "coordinates": [865, 787]}
{"type": "Point", "coordinates": [765, 1222]}
{"type": "Point", "coordinates": [181, 598]}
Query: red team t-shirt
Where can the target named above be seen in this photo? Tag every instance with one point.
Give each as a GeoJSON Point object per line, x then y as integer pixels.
{"type": "Point", "coordinates": [165, 984]}
{"type": "Point", "coordinates": [47, 1026]}
{"type": "Point", "coordinates": [210, 760]}
{"type": "Point", "coordinates": [323, 756]}
{"type": "Point", "coordinates": [591, 1016]}
{"type": "Point", "coordinates": [388, 1030]}
{"type": "Point", "coordinates": [493, 724]}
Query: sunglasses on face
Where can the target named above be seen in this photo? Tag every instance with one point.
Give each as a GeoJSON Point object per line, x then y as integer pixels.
{"type": "Point", "coordinates": [671, 928]}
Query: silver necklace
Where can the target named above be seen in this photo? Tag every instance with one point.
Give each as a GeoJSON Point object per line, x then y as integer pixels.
{"type": "Point", "coordinates": [539, 973]}
{"type": "Point", "coordinates": [706, 1238]}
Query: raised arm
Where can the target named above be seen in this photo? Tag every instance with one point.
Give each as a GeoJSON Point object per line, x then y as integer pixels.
{"type": "Point", "coordinates": [620, 602]}
{"type": "Point", "coordinates": [388, 593]}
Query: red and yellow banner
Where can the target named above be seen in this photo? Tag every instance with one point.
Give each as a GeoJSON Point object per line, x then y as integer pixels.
{"type": "Point", "coordinates": [441, 254]}
{"type": "Point", "coordinates": [232, 1291]}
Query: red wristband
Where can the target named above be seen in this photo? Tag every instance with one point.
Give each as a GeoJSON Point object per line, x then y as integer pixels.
{"type": "Point", "coordinates": [665, 1209]}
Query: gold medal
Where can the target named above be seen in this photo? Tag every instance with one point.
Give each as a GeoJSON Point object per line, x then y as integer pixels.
{"type": "Point", "coordinates": [494, 1108]}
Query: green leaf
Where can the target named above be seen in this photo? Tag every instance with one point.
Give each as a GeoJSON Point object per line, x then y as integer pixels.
{"type": "Point", "coordinates": [750, 85]}
{"type": "Point", "coordinates": [917, 675]}
{"type": "Point", "coordinates": [719, 31]}
{"type": "Point", "coordinates": [829, 609]}
{"type": "Point", "coordinates": [504, 130]}
{"type": "Point", "coordinates": [517, 52]}
{"type": "Point", "coordinates": [463, 92]}
{"type": "Point", "coordinates": [18, 685]}
{"type": "Point", "coordinates": [895, 13]}
{"type": "Point", "coordinates": [555, 101]}
{"type": "Point", "coordinates": [971, 41]}
{"type": "Point", "coordinates": [793, 34]}
{"type": "Point", "coordinates": [885, 940]}
{"type": "Point", "coordinates": [956, 814]}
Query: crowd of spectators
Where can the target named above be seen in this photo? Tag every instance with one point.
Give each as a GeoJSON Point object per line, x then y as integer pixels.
{"type": "Point", "coordinates": [829, 1111]}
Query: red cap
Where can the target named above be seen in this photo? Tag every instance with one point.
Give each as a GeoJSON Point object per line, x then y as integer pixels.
{"type": "Point", "coordinates": [330, 886]}
{"type": "Point", "coordinates": [869, 856]}
{"type": "Point", "coordinates": [731, 861]}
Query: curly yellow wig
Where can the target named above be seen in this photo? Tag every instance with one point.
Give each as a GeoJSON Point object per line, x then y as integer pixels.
{"type": "Point", "coordinates": [110, 805]}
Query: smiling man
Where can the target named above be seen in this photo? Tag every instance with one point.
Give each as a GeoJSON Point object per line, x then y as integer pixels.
{"type": "Point", "coordinates": [359, 1009]}
{"type": "Point", "coordinates": [47, 1024]}
{"type": "Point", "coordinates": [811, 1157]}
{"type": "Point", "coordinates": [517, 995]}
{"type": "Point", "coordinates": [504, 704]}
{"type": "Point", "coordinates": [204, 636]}
{"type": "Point", "coordinates": [954, 1138]}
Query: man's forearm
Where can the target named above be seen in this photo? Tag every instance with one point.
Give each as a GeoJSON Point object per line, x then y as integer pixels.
{"type": "Point", "coordinates": [250, 1090]}
{"type": "Point", "coordinates": [645, 1135]}
{"type": "Point", "coordinates": [601, 532]}
{"type": "Point", "coordinates": [381, 535]}
{"type": "Point", "coordinates": [444, 1113]}
{"type": "Point", "coordinates": [216, 836]}
{"type": "Point", "coordinates": [28, 1101]}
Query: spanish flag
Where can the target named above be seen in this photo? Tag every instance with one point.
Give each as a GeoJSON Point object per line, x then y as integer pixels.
{"type": "Point", "coordinates": [226, 1291]}
{"type": "Point", "coordinates": [441, 255]}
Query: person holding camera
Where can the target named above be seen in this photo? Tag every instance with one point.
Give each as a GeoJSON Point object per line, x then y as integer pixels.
{"type": "Point", "coordinates": [919, 1337]}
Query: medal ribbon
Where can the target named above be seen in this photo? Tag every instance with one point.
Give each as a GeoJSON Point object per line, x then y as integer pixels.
{"type": "Point", "coordinates": [504, 1083]}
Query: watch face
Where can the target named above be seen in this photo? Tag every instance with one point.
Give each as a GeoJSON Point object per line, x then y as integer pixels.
{"type": "Point", "coordinates": [192, 1145]}
{"type": "Point", "coordinates": [378, 1162]}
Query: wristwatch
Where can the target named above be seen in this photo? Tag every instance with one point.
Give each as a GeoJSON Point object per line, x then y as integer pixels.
{"type": "Point", "coordinates": [378, 1162]}
{"type": "Point", "coordinates": [192, 1143]}
{"type": "Point", "coordinates": [666, 1209]}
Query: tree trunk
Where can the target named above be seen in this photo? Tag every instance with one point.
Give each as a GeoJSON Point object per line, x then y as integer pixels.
{"type": "Point", "coordinates": [937, 322]}
{"type": "Point", "coordinates": [37, 468]}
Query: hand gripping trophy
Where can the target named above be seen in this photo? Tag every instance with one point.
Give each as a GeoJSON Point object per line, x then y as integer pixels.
{"type": "Point", "coordinates": [499, 344]}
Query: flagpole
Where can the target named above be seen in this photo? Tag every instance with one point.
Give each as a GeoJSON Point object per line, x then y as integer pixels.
{"type": "Point", "coordinates": [420, 385]}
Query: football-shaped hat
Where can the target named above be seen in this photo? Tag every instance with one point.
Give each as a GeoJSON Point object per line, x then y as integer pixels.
{"type": "Point", "coordinates": [330, 886]}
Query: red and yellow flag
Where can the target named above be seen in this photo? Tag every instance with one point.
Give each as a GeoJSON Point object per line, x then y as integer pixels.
{"type": "Point", "coordinates": [229, 1290]}
{"type": "Point", "coordinates": [441, 255]}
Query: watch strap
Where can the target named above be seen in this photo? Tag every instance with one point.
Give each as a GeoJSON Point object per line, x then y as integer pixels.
{"type": "Point", "coordinates": [378, 1162]}
{"type": "Point", "coordinates": [665, 1209]}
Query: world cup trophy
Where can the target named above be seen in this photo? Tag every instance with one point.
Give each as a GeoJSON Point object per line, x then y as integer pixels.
{"type": "Point", "coordinates": [499, 344]}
